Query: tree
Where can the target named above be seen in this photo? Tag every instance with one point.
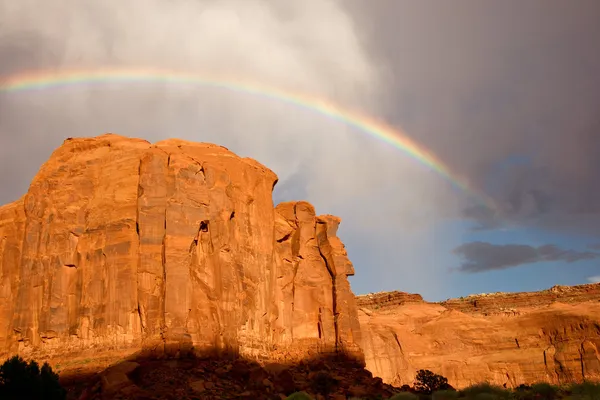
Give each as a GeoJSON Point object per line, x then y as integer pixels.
{"type": "Point", "coordinates": [427, 382]}
{"type": "Point", "coordinates": [20, 379]}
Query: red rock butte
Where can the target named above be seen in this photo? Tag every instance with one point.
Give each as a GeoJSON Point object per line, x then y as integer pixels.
{"type": "Point", "coordinates": [125, 247]}
{"type": "Point", "coordinates": [123, 244]}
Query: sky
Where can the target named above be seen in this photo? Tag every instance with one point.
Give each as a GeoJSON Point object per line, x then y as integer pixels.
{"type": "Point", "coordinates": [506, 94]}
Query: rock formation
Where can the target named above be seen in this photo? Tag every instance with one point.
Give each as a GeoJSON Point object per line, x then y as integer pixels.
{"type": "Point", "coordinates": [120, 244]}
{"type": "Point", "coordinates": [504, 338]}
{"type": "Point", "coordinates": [387, 299]}
{"type": "Point", "coordinates": [123, 246]}
{"type": "Point", "coordinates": [510, 303]}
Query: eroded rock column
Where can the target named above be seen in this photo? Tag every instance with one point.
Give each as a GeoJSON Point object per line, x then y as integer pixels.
{"type": "Point", "coordinates": [317, 309]}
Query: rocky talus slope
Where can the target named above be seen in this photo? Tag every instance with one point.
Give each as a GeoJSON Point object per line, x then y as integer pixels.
{"type": "Point", "coordinates": [503, 338]}
{"type": "Point", "coordinates": [124, 246]}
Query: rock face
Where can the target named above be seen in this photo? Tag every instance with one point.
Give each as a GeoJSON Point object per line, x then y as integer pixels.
{"type": "Point", "coordinates": [123, 244]}
{"type": "Point", "coordinates": [506, 339]}
{"type": "Point", "coordinates": [511, 303]}
{"type": "Point", "coordinates": [312, 284]}
{"type": "Point", "coordinates": [387, 299]}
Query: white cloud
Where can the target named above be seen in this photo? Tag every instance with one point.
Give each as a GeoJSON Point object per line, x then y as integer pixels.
{"type": "Point", "coordinates": [594, 279]}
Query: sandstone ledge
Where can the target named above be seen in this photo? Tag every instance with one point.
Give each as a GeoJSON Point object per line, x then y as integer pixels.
{"type": "Point", "coordinates": [387, 299]}
{"type": "Point", "coordinates": [490, 303]}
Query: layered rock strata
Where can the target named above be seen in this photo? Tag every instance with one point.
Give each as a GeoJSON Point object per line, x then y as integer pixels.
{"type": "Point", "coordinates": [509, 303]}
{"type": "Point", "coordinates": [504, 338]}
{"type": "Point", "coordinates": [387, 299]}
{"type": "Point", "coordinates": [173, 246]}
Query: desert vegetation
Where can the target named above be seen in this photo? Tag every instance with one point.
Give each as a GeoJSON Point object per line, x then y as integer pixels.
{"type": "Point", "coordinates": [20, 379]}
{"type": "Point", "coordinates": [430, 386]}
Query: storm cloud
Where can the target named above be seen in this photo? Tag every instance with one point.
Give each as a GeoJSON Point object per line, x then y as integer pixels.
{"type": "Point", "coordinates": [506, 93]}
{"type": "Point", "coordinates": [482, 256]}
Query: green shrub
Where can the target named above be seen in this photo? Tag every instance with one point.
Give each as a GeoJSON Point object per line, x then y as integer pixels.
{"type": "Point", "coordinates": [404, 396]}
{"type": "Point", "coordinates": [523, 387]}
{"type": "Point", "coordinates": [428, 382]}
{"type": "Point", "coordinates": [445, 395]}
{"type": "Point", "coordinates": [485, 391]}
{"type": "Point", "coordinates": [523, 392]}
{"type": "Point", "coordinates": [20, 379]}
{"type": "Point", "coordinates": [544, 390]}
{"type": "Point", "coordinates": [323, 383]}
{"type": "Point", "coordinates": [299, 396]}
{"type": "Point", "coordinates": [585, 391]}
{"type": "Point", "coordinates": [486, 396]}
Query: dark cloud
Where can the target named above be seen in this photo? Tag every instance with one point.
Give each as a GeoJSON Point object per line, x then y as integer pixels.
{"type": "Point", "coordinates": [481, 256]}
{"type": "Point", "coordinates": [482, 83]}
{"type": "Point", "coordinates": [594, 246]}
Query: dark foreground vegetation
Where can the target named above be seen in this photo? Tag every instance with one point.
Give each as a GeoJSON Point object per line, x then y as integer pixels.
{"type": "Point", "coordinates": [229, 378]}
{"type": "Point", "coordinates": [20, 379]}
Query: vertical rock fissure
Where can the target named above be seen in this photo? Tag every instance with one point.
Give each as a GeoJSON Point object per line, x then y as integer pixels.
{"type": "Point", "coordinates": [295, 256]}
{"type": "Point", "coordinates": [320, 323]}
{"type": "Point", "coordinates": [333, 294]}
{"type": "Point", "coordinates": [139, 252]}
{"type": "Point", "coordinates": [163, 256]}
{"type": "Point", "coordinates": [398, 342]}
{"type": "Point", "coordinates": [581, 354]}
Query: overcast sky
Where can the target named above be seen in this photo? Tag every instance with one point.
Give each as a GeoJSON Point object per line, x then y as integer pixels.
{"type": "Point", "coordinates": [507, 93]}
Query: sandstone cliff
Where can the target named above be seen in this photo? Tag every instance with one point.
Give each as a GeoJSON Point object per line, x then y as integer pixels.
{"type": "Point", "coordinates": [124, 245]}
{"type": "Point", "coordinates": [503, 338]}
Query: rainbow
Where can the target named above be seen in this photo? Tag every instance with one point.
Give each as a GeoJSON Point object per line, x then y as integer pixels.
{"type": "Point", "coordinates": [41, 80]}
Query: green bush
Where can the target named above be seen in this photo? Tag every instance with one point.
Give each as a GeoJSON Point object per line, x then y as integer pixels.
{"type": "Point", "coordinates": [404, 396]}
{"type": "Point", "coordinates": [20, 379]}
{"type": "Point", "coordinates": [299, 396]}
{"type": "Point", "coordinates": [585, 391]}
{"type": "Point", "coordinates": [323, 383]}
{"type": "Point", "coordinates": [523, 388]}
{"type": "Point", "coordinates": [485, 391]}
{"type": "Point", "coordinates": [545, 391]}
{"type": "Point", "coordinates": [428, 382]}
{"type": "Point", "coordinates": [445, 395]}
{"type": "Point", "coordinates": [523, 392]}
{"type": "Point", "coordinates": [486, 396]}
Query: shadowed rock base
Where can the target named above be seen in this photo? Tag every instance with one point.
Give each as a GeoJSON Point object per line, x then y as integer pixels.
{"type": "Point", "coordinates": [227, 377]}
